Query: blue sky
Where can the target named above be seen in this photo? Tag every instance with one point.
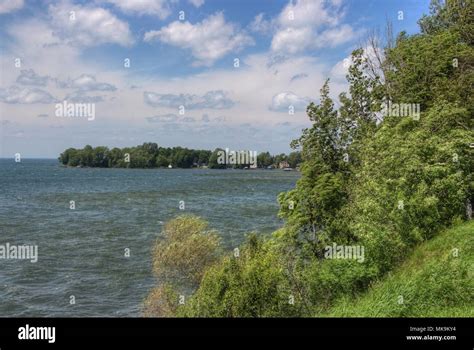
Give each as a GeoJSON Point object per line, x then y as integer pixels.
{"type": "Point", "coordinates": [182, 86]}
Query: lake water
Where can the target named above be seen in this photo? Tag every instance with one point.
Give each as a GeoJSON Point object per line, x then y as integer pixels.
{"type": "Point", "coordinates": [81, 252]}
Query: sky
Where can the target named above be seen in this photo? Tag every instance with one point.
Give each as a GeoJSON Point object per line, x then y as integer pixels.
{"type": "Point", "coordinates": [201, 74]}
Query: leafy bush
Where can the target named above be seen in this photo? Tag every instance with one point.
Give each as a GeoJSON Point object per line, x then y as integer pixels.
{"type": "Point", "coordinates": [161, 302]}
{"type": "Point", "coordinates": [250, 284]}
{"type": "Point", "coordinates": [187, 249]}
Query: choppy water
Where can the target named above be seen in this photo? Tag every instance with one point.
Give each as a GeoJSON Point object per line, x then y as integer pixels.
{"type": "Point", "coordinates": [81, 251]}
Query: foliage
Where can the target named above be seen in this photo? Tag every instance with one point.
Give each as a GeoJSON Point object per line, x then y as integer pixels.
{"type": "Point", "coordinates": [180, 259]}
{"type": "Point", "coordinates": [250, 284]}
{"type": "Point", "coordinates": [161, 302]}
{"type": "Point", "coordinates": [187, 248]}
{"type": "Point", "coordinates": [150, 155]}
{"type": "Point", "coordinates": [436, 280]}
{"type": "Point", "coordinates": [385, 183]}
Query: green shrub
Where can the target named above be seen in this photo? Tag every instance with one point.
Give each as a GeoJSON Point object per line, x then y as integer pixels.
{"type": "Point", "coordinates": [186, 250]}
{"type": "Point", "coordinates": [250, 284]}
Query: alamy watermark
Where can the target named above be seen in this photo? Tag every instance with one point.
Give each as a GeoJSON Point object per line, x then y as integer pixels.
{"type": "Point", "coordinates": [19, 252]}
{"type": "Point", "coordinates": [335, 251]}
{"type": "Point", "coordinates": [391, 109]}
{"type": "Point", "coordinates": [37, 333]}
{"type": "Point", "coordinates": [75, 110]}
{"type": "Point", "coordinates": [237, 157]}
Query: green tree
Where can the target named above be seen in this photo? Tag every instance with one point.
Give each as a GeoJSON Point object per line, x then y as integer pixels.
{"type": "Point", "coordinates": [162, 161]}
{"type": "Point", "coordinates": [116, 158]}
{"type": "Point", "coordinates": [214, 160]}
{"type": "Point", "coordinates": [264, 159]}
{"type": "Point", "coordinates": [87, 155]}
{"type": "Point", "coordinates": [100, 157]}
{"type": "Point", "coordinates": [312, 209]}
{"type": "Point", "coordinates": [66, 157]}
{"type": "Point", "coordinates": [294, 159]}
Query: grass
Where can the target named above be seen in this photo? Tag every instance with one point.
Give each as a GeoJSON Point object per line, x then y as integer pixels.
{"type": "Point", "coordinates": [437, 280]}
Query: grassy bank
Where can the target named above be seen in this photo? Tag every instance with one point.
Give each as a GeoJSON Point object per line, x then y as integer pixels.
{"type": "Point", "coordinates": [437, 280]}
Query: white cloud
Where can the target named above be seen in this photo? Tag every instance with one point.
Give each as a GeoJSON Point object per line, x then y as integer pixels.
{"type": "Point", "coordinates": [313, 13]}
{"type": "Point", "coordinates": [292, 40]}
{"type": "Point", "coordinates": [32, 36]}
{"type": "Point", "coordinates": [197, 3]}
{"type": "Point", "coordinates": [29, 77]}
{"type": "Point", "coordinates": [310, 24]}
{"type": "Point", "coordinates": [336, 36]}
{"type": "Point", "coordinates": [86, 82]}
{"type": "Point", "coordinates": [209, 40]}
{"type": "Point", "coordinates": [284, 100]}
{"type": "Point", "coordinates": [260, 24]}
{"type": "Point", "coordinates": [88, 26]}
{"type": "Point", "coordinates": [7, 6]}
{"type": "Point", "coordinates": [340, 69]}
{"type": "Point", "coordinates": [217, 99]}
{"type": "Point", "coordinates": [17, 95]}
{"type": "Point", "coordinates": [158, 8]}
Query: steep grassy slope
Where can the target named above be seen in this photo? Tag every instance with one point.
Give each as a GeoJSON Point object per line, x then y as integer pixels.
{"type": "Point", "coordinates": [436, 280]}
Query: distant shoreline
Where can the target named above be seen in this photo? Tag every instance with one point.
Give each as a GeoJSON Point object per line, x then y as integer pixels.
{"type": "Point", "coordinates": [177, 168]}
{"type": "Point", "coordinates": [150, 155]}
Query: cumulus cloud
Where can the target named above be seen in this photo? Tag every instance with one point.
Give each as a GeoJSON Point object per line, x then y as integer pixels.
{"type": "Point", "coordinates": [29, 77]}
{"type": "Point", "coordinates": [85, 82]}
{"type": "Point", "coordinates": [208, 41]}
{"type": "Point", "coordinates": [292, 40]}
{"type": "Point", "coordinates": [24, 95]}
{"type": "Point", "coordinates": [310, 24]}
{"type": "Point", "coordinates": [216, 99]}
{"type": "Point", "coordinates": [336, 36]}
{"type": "Point", "coordinates": [314, 13]}
{"type": "Point", "coordinates": [158, 8]}
{"type": "Point", "coordinates": [282, 101]}
{"type": "Point", "coordinates": [87, 25]}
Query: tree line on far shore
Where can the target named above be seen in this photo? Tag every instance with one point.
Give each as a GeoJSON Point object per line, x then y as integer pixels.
{"type": "Point", "coordinates": [150, 155]}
